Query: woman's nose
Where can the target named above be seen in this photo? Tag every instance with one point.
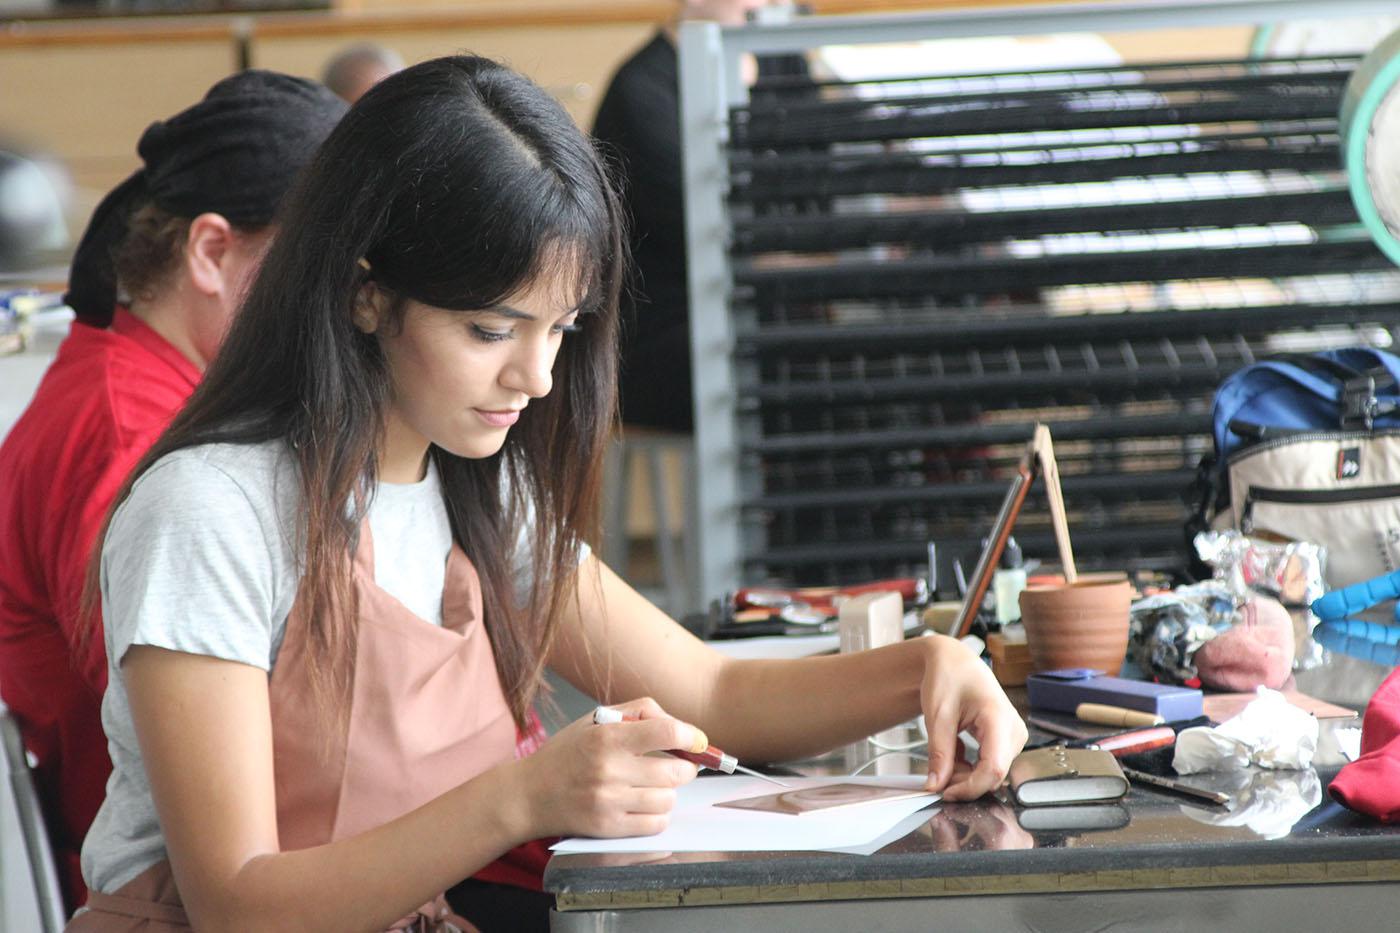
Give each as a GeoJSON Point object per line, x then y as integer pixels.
{"type": "Point", "coordinates": [530, 371]}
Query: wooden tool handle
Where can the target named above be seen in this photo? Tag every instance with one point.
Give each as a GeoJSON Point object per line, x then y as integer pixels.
{"type": "Point", "coordinates": [1141, 740]}
{"type": "Point", "coordinates": [1115, 715]}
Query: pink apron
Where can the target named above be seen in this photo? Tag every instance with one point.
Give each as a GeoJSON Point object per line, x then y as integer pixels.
{"type": "Point", "coordinates": [427, 713]}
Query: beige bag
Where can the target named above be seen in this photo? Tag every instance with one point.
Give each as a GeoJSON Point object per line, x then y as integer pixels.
{"type": "Point", "coordinates": [1337, 489]}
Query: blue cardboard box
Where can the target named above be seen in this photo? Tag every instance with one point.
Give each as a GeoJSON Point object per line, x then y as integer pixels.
{"type": "Point", "coordinates": [1066, 689]}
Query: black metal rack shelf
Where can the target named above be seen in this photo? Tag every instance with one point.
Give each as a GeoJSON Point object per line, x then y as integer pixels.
{"type": "Point", "coordinates": [953, 328]}
{"type": "Point", "coordinates": [960, 275]}
{"type": "Point", "coordinates": [1136, 547]}
{"type": "Point", "coordinates": [946, 228]}
{"type": "Point", "coordinates": [975, 434]}
{"type": "Point", "coordinates": [1114, 485]}
{"type": "Point", "coordinates": [1023, 383]}
{"type": "Point", "coordinates": [772, 181]}
{"type": "Point", "coordinates": [923, 268]}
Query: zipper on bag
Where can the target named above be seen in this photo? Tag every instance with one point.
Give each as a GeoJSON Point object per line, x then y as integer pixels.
{"type": "Point", "coordinates": [1310, 497]}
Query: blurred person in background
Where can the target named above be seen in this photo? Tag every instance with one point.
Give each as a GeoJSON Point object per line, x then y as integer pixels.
{"type": "Point", "coordinates": [357, 68]}
{"type": "Point", "coordinates": [157, 277]}
{"type": "Point", "coordinates": [34, 195]}
{"type": "Point", "coordinates": [639, 126]}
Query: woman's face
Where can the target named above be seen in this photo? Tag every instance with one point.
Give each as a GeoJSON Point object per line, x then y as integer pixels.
{"type": "Point", "coordinates": [460, 380]}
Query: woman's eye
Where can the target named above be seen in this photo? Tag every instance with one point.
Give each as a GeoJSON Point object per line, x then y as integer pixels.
{"type": "Point", "coordinates": [489, 336]}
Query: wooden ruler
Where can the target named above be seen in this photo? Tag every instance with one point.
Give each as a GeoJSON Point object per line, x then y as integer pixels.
{"type": "Point", "coordinates": [1050, 472]}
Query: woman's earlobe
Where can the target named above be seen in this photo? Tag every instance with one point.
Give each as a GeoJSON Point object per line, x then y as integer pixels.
{"type": "Point", "coordinates": [366, 311]}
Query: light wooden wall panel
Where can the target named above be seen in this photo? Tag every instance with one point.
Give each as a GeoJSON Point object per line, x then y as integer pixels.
{"type": "Point", "coordinates": [573, 63]}
{"type": "Point", "coordinates": [1167, 45]}
{"type": "Point", "coordinates": [89, 103]}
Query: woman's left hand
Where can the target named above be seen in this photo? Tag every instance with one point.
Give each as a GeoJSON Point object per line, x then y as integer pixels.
{"type": "Point", "coordinates": [959, 693]}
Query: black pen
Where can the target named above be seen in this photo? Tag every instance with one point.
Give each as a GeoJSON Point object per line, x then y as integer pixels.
{"type": "Point", "coordinates": [1176, 787]}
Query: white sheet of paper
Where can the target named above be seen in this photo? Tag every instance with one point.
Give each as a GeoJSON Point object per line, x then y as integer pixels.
{"type": "Point", "coordinates": [792, 646]}
{"type": "Point", "coordinates": [898, 831]}
{"type": "Point", "coordinates": [697, 825]}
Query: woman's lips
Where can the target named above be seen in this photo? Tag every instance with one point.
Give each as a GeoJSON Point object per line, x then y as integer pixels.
{"type": "Point", "coordinates": [499, 419]}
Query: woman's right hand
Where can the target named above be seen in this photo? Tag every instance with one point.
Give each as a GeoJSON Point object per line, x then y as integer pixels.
{"type": "Point", "coordinates": [600, 780]}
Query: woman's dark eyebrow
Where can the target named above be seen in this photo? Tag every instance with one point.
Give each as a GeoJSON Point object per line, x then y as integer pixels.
{"type": "Point", "coordinates": [516, 314]}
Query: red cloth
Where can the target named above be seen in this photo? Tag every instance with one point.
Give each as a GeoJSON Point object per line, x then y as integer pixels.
{"type": "Point", "coordinates": [103, 402]}
{"type": "Point", "coordinates": [523, 866]}
{"type": "Point", "coordinates": [1371, 783]}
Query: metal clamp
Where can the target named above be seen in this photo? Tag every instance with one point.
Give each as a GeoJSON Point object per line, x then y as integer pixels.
{"type": "Point", "coordinates": [1359, 402]}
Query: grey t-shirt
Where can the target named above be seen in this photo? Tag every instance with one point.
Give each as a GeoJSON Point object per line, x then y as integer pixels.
{"type": "Point", "coordinates": [200, 558]}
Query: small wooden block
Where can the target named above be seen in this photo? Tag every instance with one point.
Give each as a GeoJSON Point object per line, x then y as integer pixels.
{"type": "Point", "coordinates": [1011, 660]}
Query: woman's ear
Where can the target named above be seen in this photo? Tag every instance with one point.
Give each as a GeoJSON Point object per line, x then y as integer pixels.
{"type": "Point", "coordinates": [368, 311]}
{"type": "Point", "coordinates": [207, 245]}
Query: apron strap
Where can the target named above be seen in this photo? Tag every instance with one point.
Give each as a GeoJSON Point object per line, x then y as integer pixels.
{"type": "Point", "coordinates": [151, 895]}
{"type": "Point", "coordinates": [124, 906]}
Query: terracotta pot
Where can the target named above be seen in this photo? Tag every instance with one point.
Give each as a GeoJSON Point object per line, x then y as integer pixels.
{"type": "Point", "coordinates": [1084, 624]}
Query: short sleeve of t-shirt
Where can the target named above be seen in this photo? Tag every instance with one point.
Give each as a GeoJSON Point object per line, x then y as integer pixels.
{"type": "Point", "coordinates": [188, 565]}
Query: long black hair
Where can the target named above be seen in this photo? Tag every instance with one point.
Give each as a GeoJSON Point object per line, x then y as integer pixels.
{"type": "Point", "coordinates": [458, 182]}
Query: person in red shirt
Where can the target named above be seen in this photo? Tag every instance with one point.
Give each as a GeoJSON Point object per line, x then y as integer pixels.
{"type": "Point", "coordinates": [155, 282]}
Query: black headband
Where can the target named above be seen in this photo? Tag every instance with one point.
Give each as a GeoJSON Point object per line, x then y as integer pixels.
{"type": "Point", "coordinates": [235, 153]}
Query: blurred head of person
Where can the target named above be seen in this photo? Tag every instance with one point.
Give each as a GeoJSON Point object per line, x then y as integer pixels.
{"type": "Point", "coordinates": [724, 12]}
{"type": "Point", "coordinates": [178, 241]}
{"type": "Point", "coordinates": [35, 194]}
{"type": "Point", "coordinates": [357, 68]}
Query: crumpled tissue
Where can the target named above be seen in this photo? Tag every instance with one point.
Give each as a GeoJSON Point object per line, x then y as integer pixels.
{"type": "Point", "coordinates": [1267, 802]}
{"type": "Point", "coordinates": [1270, 732]}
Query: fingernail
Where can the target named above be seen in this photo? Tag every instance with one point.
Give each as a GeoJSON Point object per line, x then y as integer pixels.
{"type": "Point", "coordinates": [699, 743]}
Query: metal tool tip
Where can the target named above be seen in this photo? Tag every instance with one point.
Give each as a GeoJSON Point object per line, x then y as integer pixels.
{"type": "Point", "coordinates": [764, 776]}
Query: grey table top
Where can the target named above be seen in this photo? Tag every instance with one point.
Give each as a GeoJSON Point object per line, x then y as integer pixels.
{"type": "Point", "coordinates": [1282, 829]}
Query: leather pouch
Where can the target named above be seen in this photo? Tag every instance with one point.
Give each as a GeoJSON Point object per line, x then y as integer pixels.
{"type": "Point", "coordinates": [1059, 775]}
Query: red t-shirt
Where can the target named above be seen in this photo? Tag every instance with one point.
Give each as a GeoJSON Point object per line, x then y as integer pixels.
{"type": "Point", "coordinates": [103, 402]}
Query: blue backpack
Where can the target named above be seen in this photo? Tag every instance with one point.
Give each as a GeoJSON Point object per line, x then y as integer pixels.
{"type": "Point", "coordinates": [1354, 388]}
{"type": "Point", "coordinates": [1296, 454]}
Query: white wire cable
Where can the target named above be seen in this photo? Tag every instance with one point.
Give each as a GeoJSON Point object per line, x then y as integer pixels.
{"type": "Point", "coordinates": [904, 747]}
{"type": "Point", "coordinates": [920, 742]}
{"type": "Point", "coordinates": [884, 755]}
{"type": "Point", "coordinates": [970, 745]}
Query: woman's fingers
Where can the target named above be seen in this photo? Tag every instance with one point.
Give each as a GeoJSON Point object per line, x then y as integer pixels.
{"type": "Point", "coordinates": [659, 735]}
{"type": "Point", "coordinates": [641, 708]}
{"type": "Point", "coordinates": [651, 800]}
{"type": "Point", "coordinates": [639, 824]}
{"type": "Point", "coordinates": [960, 692]}
{"type": "Point", "coordinates": [993, 761]}
{"type": "Point", "coordinates": [617, 781]}
{"type": "Point", "coordinates": [942, 747]}
{"type": "Point", "coordinates": [659, 771]}
{"type": "Point", "coordinates": [649, 728]}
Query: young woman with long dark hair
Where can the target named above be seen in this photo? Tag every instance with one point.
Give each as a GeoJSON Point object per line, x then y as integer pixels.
{"type": "Point", "coordinates": [332, 587]}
